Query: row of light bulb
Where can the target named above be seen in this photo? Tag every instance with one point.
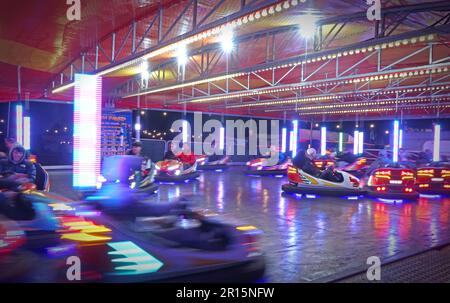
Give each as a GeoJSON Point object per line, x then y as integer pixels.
{"type": "Point", "coordinates": [373, 78]}
{"type": "Point", "coordinates": [373, 103]}
{"type": "Point", "coordinates": [268, 91]}
{"type": "Point", "coordinates": [398, 43]}
{"type": "Point", "coordinates": [251, 17]}
{"type": "Point", "coordinates": [368, 110]}
{"type": "Point", "coordinates": [330, 56]}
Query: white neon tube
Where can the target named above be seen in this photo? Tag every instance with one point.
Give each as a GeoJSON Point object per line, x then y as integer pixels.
{"type": "Point", "coordinates": [283, 139]}
{"type": "Point", "coordinates": [437, 142]}
{"type": "Point", "coordinates": [355, 142]}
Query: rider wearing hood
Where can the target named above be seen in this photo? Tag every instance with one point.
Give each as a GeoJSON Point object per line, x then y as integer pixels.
{"type": "Point", "coordinates": [17, 167]}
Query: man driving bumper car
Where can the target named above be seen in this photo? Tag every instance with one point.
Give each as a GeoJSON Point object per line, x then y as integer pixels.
{"type": "Point", "coordinates": [16, 170]}
{"type": "Point", "coordinates": [304, 161]}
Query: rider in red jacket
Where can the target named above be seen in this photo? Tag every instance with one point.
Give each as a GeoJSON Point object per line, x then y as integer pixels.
{"type": "Point", "coordinates": [186, 156]}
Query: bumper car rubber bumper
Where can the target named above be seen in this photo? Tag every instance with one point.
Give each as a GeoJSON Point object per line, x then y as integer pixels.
{"type": "Point", "coordinates": [180, 178]}
{"type": "Point", "coordinates": [266, 172]}
{"type": "Point", "coordinates": [326, 191]}
{"type": "Point", "coordinates": [393, 195]}
{"type": "Point", "coordinates": [212, 166]}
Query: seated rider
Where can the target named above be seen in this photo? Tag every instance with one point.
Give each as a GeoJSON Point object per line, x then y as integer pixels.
{"type": "Point", "coordinates": [186, 156]}
{"type": "Point", "coordinates": [170, 155]}
{"type": "Point", "coordinates": [304, 161]}
{"type": "Point", "coordinates": [381, 161]}
{"type": "Point", "coordinates": [215, 157]}
{"type": "Point", "coordinates": [136, 149]}
{"type": "Point", "coordinates": [9, 143]}
{"type": "Point", "coordinates": [346, 157]}
{"type": "Point", "coordinates": [16, 170]}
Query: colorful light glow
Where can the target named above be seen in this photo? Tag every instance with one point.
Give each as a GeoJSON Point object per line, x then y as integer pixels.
{"type": "Point", "coordinates": [355, 142]}
{"type": "Point", "coordinates": [294, 137]}
{"type": "Point", "coordinates": [142, 262]}
{"type": "Point", "coordinates": [395, 142]}
{"type": "Point", "coordinates": [87, 127]}
{"type": "Point", "coordinates": [283, 139]}
{"type": "Point", "coordinates": [360, 142]}
{"type": "Point", "coordinates": [323, 141]}
{"type": "Point", "coordinates": [182, 56]}
{"type": "Point", "coordinates": [26, 133]}
{"type": "Point", "coordinates": [341, 142]}
{"type": "Point", "coordinates": [227, 40]}
{"type": "Point", "coordinates": [19, 123]}
{"type": "Point", "coordinates": [437, 142]}
{"type": "Point", "coordinates": [222, 139]}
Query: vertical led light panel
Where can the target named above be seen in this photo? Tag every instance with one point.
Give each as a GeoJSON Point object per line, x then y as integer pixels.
{"type": "Point", "coordinates": [295, 137]}
{"type": "Point", "coordinates": [19, 123]}
{"type": "Point", "coordinates": [87, 127]}
{"type": "Point", "coordinates": [395, 142]}
{"type": "Point", "coordinates": [437, 143]}
{"type": "Point", "coordinates": [341, 141]}
{"type": "Point", "coordinates": [355, 142]}
{"type": "Point", "coordinates": [323, 141]}
{"type": "Point", "coordinates": [26, 133]}
{"type": "Point", "coordinates": [360, 142]}
{"type": "Point", "coordinates": [283, 139]}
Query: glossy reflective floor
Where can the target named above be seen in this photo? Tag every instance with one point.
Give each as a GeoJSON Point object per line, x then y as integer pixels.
{"type": "Point", "coordinates": [309, 239]}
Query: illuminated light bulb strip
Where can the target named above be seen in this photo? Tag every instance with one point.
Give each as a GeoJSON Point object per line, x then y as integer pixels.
{"type": "Point", "coordinates": [386, 102]}
{"type": "Point", "coordinates": [373, 103]}
{"type": "Point", "coordinates": [342, 94]}
{"type": "Point", "coordinates": [398, 43]}
{"type": "Point", "coordinates": [356, 51]}
{"type": "Point", "coordinates": [368, 110]}
{"type": "Point", "coordinates": [63, 88]}
{"type": "Point", "coordinates": [372, 78]}
{"type": "Point", "coordinates": [215, 31]}
{"type": "Point", "coordinates": [289, 101]}
{"type": "Point", "coordinates": [218, 78]}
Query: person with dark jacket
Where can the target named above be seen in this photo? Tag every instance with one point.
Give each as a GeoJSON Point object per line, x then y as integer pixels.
{"type": "Point", "coordinates": [17, 170]}
{"type": "Point", "coordinates": [169, 155]}
{"type": "Point", "coordinates": [9, 143]}
{"type": "Point", "coordinates": [136, 149]}
{"type": "Point", "coordinates": [304, 161]}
